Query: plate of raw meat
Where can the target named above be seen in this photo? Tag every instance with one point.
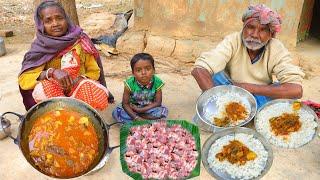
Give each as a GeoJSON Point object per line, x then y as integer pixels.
{"type": "Point", "coordinates": [160, 149]}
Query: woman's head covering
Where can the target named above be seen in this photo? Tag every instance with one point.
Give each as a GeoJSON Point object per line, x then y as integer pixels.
{"type": "Point", "coordinates": [44, 48]}
{"type": "Point", "coordinates": [264, 15]}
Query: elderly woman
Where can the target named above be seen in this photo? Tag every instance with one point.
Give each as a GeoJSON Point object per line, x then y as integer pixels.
{"type": "Point", "coordinates": [249, 58]}
{"type": "Point", "coordinates": [62, 61]}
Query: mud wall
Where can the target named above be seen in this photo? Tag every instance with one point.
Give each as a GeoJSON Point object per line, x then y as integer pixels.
{"type": "Point", "coordinates": [210, 19]}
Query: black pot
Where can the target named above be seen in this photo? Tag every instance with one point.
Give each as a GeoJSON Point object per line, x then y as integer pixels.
{"type": "Point", "coordinates": [5, 128]}
{"type": "Point", "coordinates": [27, 121]}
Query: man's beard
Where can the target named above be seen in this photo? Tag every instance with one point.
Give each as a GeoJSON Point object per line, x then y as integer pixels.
{"type": "Point", "coordinates": [252, 43]}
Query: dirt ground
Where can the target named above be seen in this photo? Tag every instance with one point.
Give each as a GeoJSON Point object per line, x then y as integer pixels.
{"type": "Point", "coordinates": [179, 94]}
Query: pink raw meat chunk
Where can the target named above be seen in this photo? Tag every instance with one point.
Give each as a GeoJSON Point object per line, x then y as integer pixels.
{"type": "Point", "coordinates": [159, 151]}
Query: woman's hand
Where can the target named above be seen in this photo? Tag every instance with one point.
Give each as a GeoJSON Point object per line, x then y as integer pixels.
{"type": "Point", "coordinates": [64, 79]}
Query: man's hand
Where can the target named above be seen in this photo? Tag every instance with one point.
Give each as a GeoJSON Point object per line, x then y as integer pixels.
{"type": "Point", "coordinates": [242, 85]}
{"type": "Point", "coordinates": [203, 78]}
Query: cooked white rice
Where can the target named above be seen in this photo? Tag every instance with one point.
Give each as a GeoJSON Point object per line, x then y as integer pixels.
{"type": "Point", "coordinates": [249, 170]}
{"type": "Point", "coordinates": [222, 100]}
{"type": "Point", "coordinates": [295, 139]}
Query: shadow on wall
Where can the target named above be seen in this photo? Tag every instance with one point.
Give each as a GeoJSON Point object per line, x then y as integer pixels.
{"type": "Point", "coordinates": [315, 24]}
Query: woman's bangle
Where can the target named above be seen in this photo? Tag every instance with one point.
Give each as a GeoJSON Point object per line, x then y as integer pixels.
{"type": "Point", "coordinates": [47, 73]}
{"type": "Point", "coordinates": [83, 76]}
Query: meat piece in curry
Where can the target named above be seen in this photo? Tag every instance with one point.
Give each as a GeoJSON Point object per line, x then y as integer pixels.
{"type": "Point", "coordinates": [63, 143]}
{"type": "Point", "coordinates": [236, 153]}
{"type": "Point", "coordinates": [296, 106]}
{"type": "Point", "coordinates": [234, 111]}
{"type": "Point", "coordinates": [285, 124]}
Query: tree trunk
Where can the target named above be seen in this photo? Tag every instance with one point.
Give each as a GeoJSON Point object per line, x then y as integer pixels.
{"type": "Point", "coordinates": [69, 6]}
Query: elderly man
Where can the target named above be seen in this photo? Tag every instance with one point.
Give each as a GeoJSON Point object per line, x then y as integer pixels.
{"type": "Point", "coordinates": [249, 58]}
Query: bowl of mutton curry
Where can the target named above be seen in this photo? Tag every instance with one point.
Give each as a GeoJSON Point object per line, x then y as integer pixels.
{"type": "Point", "coordinates": [62, 137]}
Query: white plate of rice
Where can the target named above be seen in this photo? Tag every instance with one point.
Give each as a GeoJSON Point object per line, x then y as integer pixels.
{"type": "Point", "coordinates": [276, 108]}
{"type": "Point", "coordinates": [253, 169]}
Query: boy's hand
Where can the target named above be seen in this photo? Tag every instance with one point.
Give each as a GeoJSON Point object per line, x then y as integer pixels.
{"type": "Point", "coordinates": [138, 118]}
{"type": "Point", "coordinates": [135, 108]}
